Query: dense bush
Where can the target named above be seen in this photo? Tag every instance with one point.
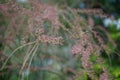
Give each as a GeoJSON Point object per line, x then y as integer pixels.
{"type": "Point", "coordinates": [47, 42]}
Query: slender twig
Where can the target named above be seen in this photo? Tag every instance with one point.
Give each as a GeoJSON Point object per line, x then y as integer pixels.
{"type": "Point", "coordinates": [15, 51]}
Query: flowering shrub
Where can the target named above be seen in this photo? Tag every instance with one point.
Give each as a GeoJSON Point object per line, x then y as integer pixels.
{"type": "Point", "coordinates": [48, 38]}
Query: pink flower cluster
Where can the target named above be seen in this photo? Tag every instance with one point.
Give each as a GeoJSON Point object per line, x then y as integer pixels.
{"type": "Point", "coordinates": [104, 76]}
{"type": "Point", "coordinates": [51, 14]}
{"type": "Point", "coordinates": [39, 31]}
{"type": "Point", "coordinates": [3, 7]}
{"type": "Point", "coordinates": [49, 39]}
{"type": "Point", "coordinates": [82, 46]}
{"type": "Point", "coordinates": [100, 40]}
{"type": "Point", "coordinates": [77, 48]}
{"type": "Point", "coordinates": [85, 48]}
{"type": "Point", "coordinates": [85, 59]}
